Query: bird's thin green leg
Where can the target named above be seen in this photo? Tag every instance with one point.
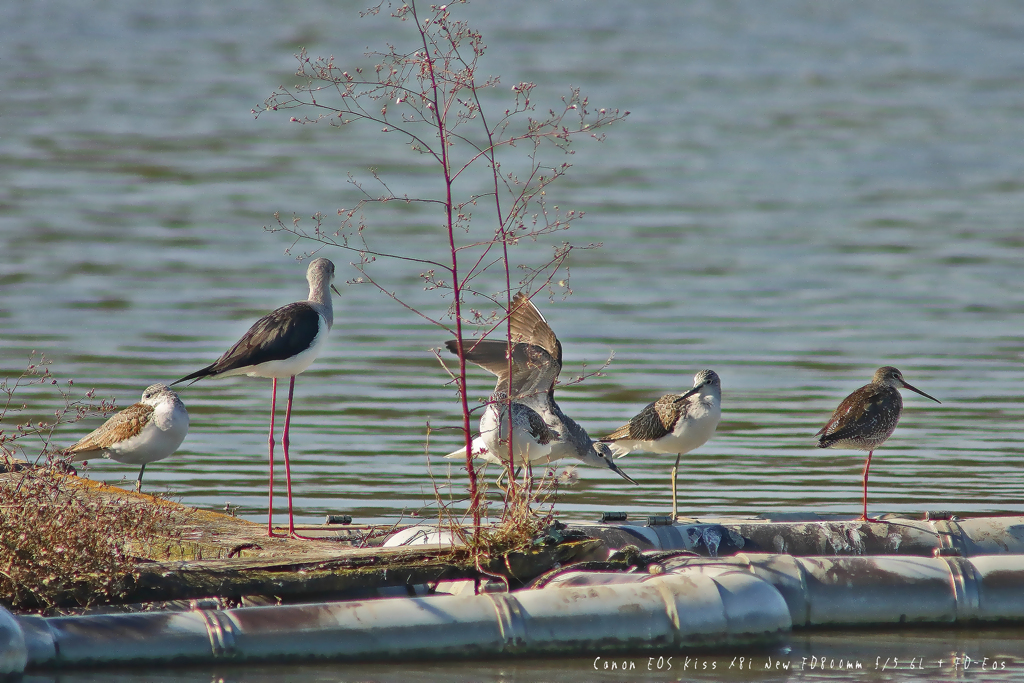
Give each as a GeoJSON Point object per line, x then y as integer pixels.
{"type": "Point", "coordinates": [675, 470]}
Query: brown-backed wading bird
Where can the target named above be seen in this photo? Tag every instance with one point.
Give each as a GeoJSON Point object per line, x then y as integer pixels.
{"type": "Point", "coordinates": [144, 432]}
{"type": "Point", "coordinates": [867, 417]}
{"type": "Point", "coordinates": [675, 423]}
{"type": "Point", "coordinates": [541, 432]}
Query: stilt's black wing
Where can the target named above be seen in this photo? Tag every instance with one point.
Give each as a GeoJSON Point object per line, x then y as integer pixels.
{"type": "Point", "coordinates": [279, 335]}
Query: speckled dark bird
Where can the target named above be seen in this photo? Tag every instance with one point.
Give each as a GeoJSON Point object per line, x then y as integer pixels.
{"type": "Point", "coordinates": [675, 423]}
{"type": "Point", "coordinates": [281, 344]}
{"type": "Point", "coordinates": [541, 432]}
{"type": "Point", "coordinates": [867, 417]}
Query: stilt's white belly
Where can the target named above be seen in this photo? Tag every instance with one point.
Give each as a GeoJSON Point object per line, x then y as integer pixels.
{"type": "Point", "coordinates": [288, 367]}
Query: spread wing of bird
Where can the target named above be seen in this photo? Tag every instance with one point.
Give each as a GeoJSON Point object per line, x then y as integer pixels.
{"type": "Point", "coordinates": [530, 327]}
{"type": "Point", "coordinates": [121, 426]}
{"type": "Point", "coordinates": [536, 353]}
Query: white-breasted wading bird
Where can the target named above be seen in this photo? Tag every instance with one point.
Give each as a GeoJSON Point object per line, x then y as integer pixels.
{"type": "Point", "coordinates": [675, 423]}
{"type": "Point", "coordinates": [144, 432]}
{"type": "Point", "coordinates": [541, 432]}
{"type": "Point", "coordinates": [282, 344]}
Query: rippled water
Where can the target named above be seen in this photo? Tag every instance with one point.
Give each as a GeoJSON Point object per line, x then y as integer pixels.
{"type": "Point", "coordinates": [801, 194]}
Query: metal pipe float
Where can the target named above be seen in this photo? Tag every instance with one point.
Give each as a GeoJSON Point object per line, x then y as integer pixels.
{"type": "Point", "coordinates": [13, 651]}
{"type": "Point", "coordinates": [939, 534]}
{"type": "Point", "coordinates": [679, 611]}
{"type": "Point", "coordinates": [856, 591]}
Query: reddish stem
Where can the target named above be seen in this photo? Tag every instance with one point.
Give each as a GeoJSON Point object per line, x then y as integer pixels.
{"type": "Point", "coordinates": [442, 132]}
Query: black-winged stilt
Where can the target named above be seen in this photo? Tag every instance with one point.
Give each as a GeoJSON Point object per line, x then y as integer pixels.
{"type": "Point", "coordinates": [282, 344]}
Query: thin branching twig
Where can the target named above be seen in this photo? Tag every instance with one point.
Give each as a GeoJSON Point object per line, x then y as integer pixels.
{"type": "Point", "coordinates": [430, 98]}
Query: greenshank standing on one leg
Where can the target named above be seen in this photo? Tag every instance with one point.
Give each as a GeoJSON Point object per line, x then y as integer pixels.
{"type": "Point", "coordinates": [144, 432]}
{"type": "Point", "coordinates": [675, 423]}
{"type": "Point", "coordinates": [867, 417]}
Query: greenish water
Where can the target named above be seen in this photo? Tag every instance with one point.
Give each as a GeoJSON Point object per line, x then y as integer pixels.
{"type": "Point", "coordinates": [801, 194]}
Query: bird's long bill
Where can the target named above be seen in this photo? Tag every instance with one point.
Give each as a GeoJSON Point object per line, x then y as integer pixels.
{"type": "Point", "coordinates": [335, 290]}
{"type": "Point", "coordinates": [689, 393]}
{"type": "Point", "coordinates": [615, 468]}
{"type": "Point", "coordinates": [918, 391]}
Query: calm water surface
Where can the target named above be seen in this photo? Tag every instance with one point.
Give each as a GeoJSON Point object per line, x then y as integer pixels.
{"type": "Point", "coordinates": [801, 194]}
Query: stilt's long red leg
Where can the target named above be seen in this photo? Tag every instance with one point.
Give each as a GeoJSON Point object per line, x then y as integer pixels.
{"type": "Point", "coordinates": [270, 510]}
{"type": "Point", "coordinates": [287, 465]}
{"type": "Point", "coordinates": [867, 465]}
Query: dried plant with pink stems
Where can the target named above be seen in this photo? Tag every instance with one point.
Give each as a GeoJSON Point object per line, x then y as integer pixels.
{"type": "Point", "coordinates": [496, 173]}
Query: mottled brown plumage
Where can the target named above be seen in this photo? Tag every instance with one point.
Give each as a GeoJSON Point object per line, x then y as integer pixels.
{"type": "Point", "coordinates": [867, 417]}
{"type": "Point", "coordinates": [540, 430]}
{"type": "Point", "coordinates": [536, 353]}
{"type": "Point", "coordinates": [121, 427]}
{"type": "Point", "coordinates": [530, 327]}
{"type": "Point", "coordinates": [144, 432]}
{"type": "Point", "coordinates": [675, 423]}
{"type": "Point", "coordinates": [654, 421]}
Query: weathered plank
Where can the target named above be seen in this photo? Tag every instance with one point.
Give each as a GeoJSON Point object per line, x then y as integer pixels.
{"type": "Point", "coordinates": [206, 554]}
{"type": "Point", "coordinates": [348, 572]}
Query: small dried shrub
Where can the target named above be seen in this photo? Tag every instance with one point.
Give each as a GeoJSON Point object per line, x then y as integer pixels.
{"type": "Point", "coordinates": [527, 518]}
{"type": "Point", "coordinates": [61, 547]}
{"type": "Point", "coordinates": [497, 169]}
